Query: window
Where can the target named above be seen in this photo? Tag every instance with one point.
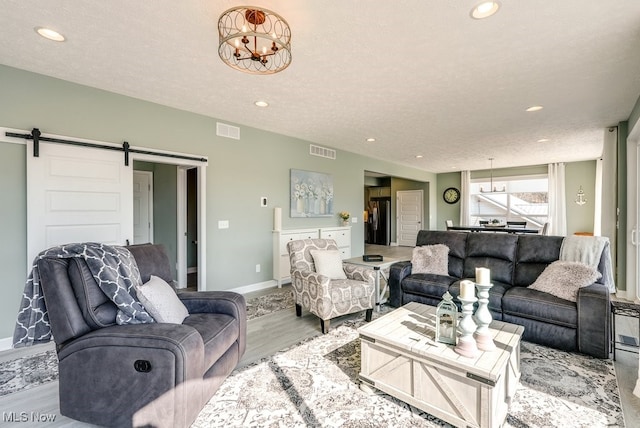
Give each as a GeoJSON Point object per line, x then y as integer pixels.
{"type": "Point", "coordinates": [523, 199]}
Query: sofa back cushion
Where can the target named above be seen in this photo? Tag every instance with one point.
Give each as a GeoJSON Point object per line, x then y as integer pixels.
{"type": "Point", "coordinates": [67, 322]}
{"type": "Point", "coordinates": [152, 259]}
{"type": "Point", "coordinates": [456, 241]}
{"type": "Point", "coordinates": [97, 309]}
{"type": "Point", "coordinates": [534, 254]}
{"type": "Point", "coordinates": [496, 251]}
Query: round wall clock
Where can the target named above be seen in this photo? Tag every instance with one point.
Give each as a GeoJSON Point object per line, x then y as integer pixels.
{"type": "Point", "coordinates": [451, 195]}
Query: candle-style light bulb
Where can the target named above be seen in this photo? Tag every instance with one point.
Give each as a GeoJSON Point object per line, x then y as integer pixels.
{"type": "Point", "coordinates": [264, 50]}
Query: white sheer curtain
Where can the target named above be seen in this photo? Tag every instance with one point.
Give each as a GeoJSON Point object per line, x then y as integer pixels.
{"type": "Point", "coordinates": [465, 189]}
{"type": "Point", "coordinates": [557, 200]}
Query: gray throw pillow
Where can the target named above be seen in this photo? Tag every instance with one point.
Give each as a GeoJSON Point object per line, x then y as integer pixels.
{"type": "Point", "coordinates": [563, 279]}
{"type": "Point", "coordinates": [431, 259]}
{"type": "Point", "coordinates": [161, 301]}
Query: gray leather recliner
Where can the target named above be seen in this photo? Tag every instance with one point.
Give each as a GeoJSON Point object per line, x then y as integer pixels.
{"type": "Point", "coordinates": [145, 374]}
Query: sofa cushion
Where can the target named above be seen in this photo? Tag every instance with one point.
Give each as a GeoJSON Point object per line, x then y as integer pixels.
{"type": "Point", "coordinates": [456, 241]}
{"type": "Point", "coordinates": [431, 259]}
{"type": "Point", "coordinates": [563, 279]}
{"type": "Point", "coordinates": [427, 284]}
{"type": "Point", "coordinates": [152, 259]}
{"type": "Point", "coordinates": [494, 251]}
{"type": "Point", "coordinates": [525, 302]}
{"type": "Point", "coordinates": [218, 331]}
{"type": "Point", "coordinates": [97, 309]}
{"type": "Point", "coordinates": [328, 263]}
{"type": "Point", "coordinates": [534, 254]}
{"type": "Point", "coordinates": [161, 301]}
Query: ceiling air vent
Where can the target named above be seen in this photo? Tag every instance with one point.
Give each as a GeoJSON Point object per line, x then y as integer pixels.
{"type": "Point", "coordinates": [323, 152]}
{"type": "Point", "coordinates": [227, 131]}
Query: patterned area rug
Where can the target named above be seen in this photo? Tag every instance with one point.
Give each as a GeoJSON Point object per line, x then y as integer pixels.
{"type": "Point", "coordinates": [281, 298]}
{"type": "Point", "coordinates": [315, 384]}
{"type": "Point", "coordinates": [27, 372]}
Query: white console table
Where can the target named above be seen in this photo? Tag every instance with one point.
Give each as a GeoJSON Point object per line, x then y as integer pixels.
{"type": "Point", "coordinates": [281, 265]}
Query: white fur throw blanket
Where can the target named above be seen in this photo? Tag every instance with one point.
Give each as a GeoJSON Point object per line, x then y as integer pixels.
{"type": "Point", "coordinates": [589, 250]}
{"type": "Point", "coordinates": [114, 269]}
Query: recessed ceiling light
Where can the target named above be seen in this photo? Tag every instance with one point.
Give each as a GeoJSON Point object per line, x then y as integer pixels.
{"type": "Point", "coordinates": [485, 9]}
{"type": "Point", "coordinates": [371, 140]}
{"type": "Point", "coordinates": [534, 108]}
{"type": "Point", "coordinates": [419, 156]}
{"type": "Point", "coordinates": [262, 104]}
{"type": "Point", "coordinates": [543, 140]}
{"type": "Point", "coordinates": [50, 34]}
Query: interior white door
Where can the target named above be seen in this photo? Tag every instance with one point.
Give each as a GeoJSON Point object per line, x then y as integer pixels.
{"type": "Point", "coordinates": [77, 194]}
{"type": "Point", "coordinates": [409, 205]}
{"type": "Point", "coordinates": [142, 207]}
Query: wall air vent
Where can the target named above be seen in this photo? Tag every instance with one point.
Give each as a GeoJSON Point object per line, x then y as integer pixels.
{"type": "Point", "coordinates": [323, 152]}
{"type": "Point", "coordinates": [227, 131]}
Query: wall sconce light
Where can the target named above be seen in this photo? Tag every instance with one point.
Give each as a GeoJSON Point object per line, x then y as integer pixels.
{"type": "Point", "coordinates": [580, 199]}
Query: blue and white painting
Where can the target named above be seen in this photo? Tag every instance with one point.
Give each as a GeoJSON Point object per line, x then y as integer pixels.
{"type": "Point", "coordinates": [311, 194]}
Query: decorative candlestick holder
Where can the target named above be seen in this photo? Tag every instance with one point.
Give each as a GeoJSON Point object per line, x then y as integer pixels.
{"type": "Point", "coordinates": [483, 318]}
{"type": "Point", "coordinates": [466, 343]}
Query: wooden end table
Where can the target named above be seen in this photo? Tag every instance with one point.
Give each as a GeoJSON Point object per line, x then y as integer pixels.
{"type": "Point", "coordinates": [401, 357]}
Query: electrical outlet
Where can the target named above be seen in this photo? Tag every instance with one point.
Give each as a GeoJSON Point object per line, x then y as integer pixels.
{"type": "Point", "coordinates": [354, 219]}
{"type": "Point", "coordinates": [258, 267]}
{"type": "Point", "coordinates": [223, 224]}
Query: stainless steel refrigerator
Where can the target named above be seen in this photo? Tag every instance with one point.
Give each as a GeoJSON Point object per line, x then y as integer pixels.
{"type": "Point", "coordinates": [380, 221]}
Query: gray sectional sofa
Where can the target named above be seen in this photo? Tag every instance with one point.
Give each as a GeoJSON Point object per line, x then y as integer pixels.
{"type": "Point", "coordinates": [515, 262]}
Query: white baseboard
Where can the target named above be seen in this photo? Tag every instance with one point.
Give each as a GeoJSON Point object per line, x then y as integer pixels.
{"type": "Point", "coordinates": [255, 287]}
{"type": "Point", "coordinates": [6, 343]}
{"type": "Point", "coordinates": [393, 244]}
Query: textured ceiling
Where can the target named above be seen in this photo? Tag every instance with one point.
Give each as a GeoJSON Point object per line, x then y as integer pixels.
{"type": "Point", "coordinates": [420, 76]}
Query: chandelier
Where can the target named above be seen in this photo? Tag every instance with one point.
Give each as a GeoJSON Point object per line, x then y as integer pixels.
{"type": "Point", "coordinates": [254, 40]}
{"type": "Point", "coordinates": [492, 188]}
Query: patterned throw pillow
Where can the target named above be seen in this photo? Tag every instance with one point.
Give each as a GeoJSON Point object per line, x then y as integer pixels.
{"type": "Point", "coordinates": [563, 279]}
{"type": "Point", "coordinates": [161, 301]}
{"type": "Point", "coordinates": [431, 259]}
{"type": "Point", "coordinates": [328, 263]}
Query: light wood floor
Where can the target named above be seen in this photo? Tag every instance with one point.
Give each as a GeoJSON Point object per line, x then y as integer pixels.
{"type": "Point", "coordinates": [270, 333]}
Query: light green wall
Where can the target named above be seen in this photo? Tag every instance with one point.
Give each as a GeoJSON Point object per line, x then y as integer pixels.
{"type": "Point", "coordinates": [239, 173]}
{"type": "Point", "coordinates": [621, 247]}
{"type": "Point", "coordinates": [447, 211]}
{"type": "Point", "coordinates": [13, 230]}
{"type": "Point", "coordinates": [580, 217]}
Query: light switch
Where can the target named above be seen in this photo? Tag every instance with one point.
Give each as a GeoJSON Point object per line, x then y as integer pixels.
{"type": "Point", "coordinates": [223, 224]}
{"type": "Point", "coordinates": [354, 219]}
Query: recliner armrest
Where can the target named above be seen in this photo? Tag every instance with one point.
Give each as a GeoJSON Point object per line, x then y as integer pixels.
{"type": "Point", "coordinates": [397, 273]}
{"type": "Point", "coordinates": [219, 302]}
{"type": "Point", "coordinates": [594, 320]}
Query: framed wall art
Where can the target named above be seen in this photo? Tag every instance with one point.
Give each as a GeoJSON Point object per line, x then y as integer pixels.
{"type": "Point", "coordinates": [311, 194]}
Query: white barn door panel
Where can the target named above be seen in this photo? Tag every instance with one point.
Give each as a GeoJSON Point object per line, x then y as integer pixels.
{"type": "Point", "coordinates": [77, 194]}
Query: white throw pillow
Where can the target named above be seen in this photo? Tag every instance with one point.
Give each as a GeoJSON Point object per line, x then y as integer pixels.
{"type": "Point", "coordinates": [328, 263]}
{"type": "Point", "coordinates": [432, 259]}
{"type": "Point", "coordinates": [161, 301]}
{"type": "Point", "coordinates": [563, 279]}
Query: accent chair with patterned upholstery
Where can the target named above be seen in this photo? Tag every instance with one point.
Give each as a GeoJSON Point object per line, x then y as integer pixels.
{"type": "Point", "coordinates": [322, 295]}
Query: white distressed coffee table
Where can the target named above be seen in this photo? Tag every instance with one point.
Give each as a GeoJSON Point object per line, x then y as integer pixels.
{"type": "Point", "coordinates": [401, 357]}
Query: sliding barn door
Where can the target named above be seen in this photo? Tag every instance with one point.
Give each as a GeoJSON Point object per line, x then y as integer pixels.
{"type": "Point", "coordinates": [77, 194]}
